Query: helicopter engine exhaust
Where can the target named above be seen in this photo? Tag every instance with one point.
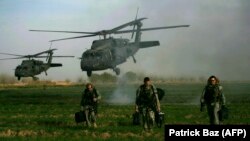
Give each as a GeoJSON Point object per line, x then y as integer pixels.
{"type": "Point", "coordinates": [146, 44]}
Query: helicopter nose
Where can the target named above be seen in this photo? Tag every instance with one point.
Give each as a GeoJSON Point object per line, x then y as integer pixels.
{"type": "Point", "coordinates": [85, 65]}
{"type": "Point", "coordinates": [19, 72]}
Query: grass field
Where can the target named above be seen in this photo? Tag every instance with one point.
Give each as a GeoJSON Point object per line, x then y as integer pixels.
{"type": "Point", "coordinates": [35, 113]}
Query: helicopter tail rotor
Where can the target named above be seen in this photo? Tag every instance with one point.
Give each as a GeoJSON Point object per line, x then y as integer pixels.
{"type": "Point", "coordinates": [48, 52]}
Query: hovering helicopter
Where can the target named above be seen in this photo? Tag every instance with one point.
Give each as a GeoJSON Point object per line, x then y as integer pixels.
{"type": "Point", "coordinates": [31, 67]}
{"type": "Point", "coordinates": [107, 53]}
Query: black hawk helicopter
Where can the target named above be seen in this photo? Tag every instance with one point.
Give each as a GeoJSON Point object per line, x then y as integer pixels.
{"type": "Point", "coordinates": [32, 67]}
{"type": "Point", "coordinates": [107, 53]}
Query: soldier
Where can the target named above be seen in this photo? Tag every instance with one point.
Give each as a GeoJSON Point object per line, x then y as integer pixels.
{"type": "Point", "coordinates": [90, 98]}
{"type": "Point", "coordinates": [147, 103]}
{"type": "Point", "coordinates": [213, 97]}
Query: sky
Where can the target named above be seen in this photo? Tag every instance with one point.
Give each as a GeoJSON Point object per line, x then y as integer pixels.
{"type": "Point", "coordinates": [216, 43]}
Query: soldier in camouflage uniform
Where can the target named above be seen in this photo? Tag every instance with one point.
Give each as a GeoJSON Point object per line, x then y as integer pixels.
{"type": "Point", "coordinates": [90, 98]}
{"type": "Point", "coordinates": [213, 97]}
{"type": "Point", "coordinates": [147, 103]}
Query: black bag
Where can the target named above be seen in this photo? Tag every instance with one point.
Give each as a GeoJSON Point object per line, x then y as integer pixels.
{"type": "Point", "coordinates": [223, 113]}
{"type": "Point", "coordinates": [159, 119]}
{"type": "Point", "coordinates": [80, 117]}
{"type": "Point", "coordinates": [161, 93]}
{"type": "Point", "coordinates": [136, 118]}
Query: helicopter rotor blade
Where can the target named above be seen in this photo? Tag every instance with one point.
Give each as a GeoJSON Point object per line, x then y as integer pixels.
{"type": "Point", "coordinates": [11, 54]}
{"type": "Point", "coordinates": [102, 32]}
{"type": "Point", "coordinates": [78, 32]}
{"type": "Point", "coordinates": [12, 58]}
{"type": "Point", "coordinates": [52, 56]}
{"type": "Point", "coordinates": [125, 25]}
{"type": "Point", "coordinates": [63, 56]}
{"type": "Point", "coordinates": [134, 24]}
{"type": "Point", "coordinates": [154, 28]}
{"type": "Point", "coordinates": [73, 38]}
{"type": "Point", "coordinates": [47, 51]}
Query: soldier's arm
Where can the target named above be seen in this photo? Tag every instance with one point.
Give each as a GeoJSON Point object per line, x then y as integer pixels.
{"type": "Point", "coordinates": [223, 99]}
{"type": "Point", "coordinates": [137, 99]}
{"type": "Point", "coordinates": [82, 99]}
{"type": "Point", "coordinates": [82, 102]}
{"type": "Point", "coordinates": [202, 100]}
{"type": "Point", "coordinates": [156, 99]}
{"type": "Point", "coordinates": [98, 95]}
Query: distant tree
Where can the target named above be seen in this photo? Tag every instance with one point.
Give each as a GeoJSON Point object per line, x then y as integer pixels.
{"type": "Point", "coordinates": [67, 80]}
{"type": "Point", "coordinates": [7, 79]}
{"type": "Point", "coordinates": [130, 76]}
{"type": "Point", "coordinates": [26, 80]}
{"type": "Point", "coordinates": [94, 78]}
{"type": "Point", "coordinates": [202, 79]}
{"type": "Point", "coordinates": [80, 80]}
{"type": "Point", "coordinates": [104, 77]}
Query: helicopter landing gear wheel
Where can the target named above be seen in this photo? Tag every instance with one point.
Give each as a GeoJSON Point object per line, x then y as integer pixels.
{"type": "Point", "coordinates": [18, 78]}
{"type": "Point", "coordinates": [117, 71]}
{"type": "Point", "coordinates": [89, 73]}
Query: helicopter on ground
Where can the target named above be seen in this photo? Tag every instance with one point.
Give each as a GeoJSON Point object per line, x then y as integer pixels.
{"type": "Point", "coordinates": [32, 67]}
{"type": "Point", "coordinates": [107, 53]}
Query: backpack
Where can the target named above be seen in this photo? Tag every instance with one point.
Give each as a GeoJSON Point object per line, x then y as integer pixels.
{"type": "Point", "coordinates": [160, 93]}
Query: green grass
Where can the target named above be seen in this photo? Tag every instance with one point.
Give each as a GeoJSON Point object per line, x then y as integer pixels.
{"type": "Point", "coordinates": [34, 113]}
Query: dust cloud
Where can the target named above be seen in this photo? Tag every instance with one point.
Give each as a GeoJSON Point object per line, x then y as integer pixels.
{"type": "Point", "coordinates": [124, 92]}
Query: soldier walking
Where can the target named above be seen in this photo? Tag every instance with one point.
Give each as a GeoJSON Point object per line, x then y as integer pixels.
{"type": "Point", "coordinates": [147, 103]}
{"type": "Point", "coordinates": [213, 97]}
{"type": "Point", "coordinates": [89, 101]}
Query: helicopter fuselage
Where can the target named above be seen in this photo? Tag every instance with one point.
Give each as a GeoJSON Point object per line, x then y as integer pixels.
{"type": "Point", "coordinates": [108, 53]}
{"type": "Point", "coordinates": [30, 68]}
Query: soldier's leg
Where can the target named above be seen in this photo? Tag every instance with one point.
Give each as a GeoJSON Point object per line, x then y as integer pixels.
{"type": "Point", "coordinates": [144, 118]}
{"type": "Point", "coordinates": [210, 112]}
{"type": "Point", "coordinates": [151, 119]}
{"type": "Point", "coordinates": [95, 106]}
{"type": "Point", "coordinates": [87, 116]}
{"type": "Point", "coordinates": [93, 116]}
{"type": "Point", "coordinates": [216, 113]}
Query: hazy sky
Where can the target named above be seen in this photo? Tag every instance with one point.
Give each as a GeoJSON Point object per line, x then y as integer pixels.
{"type": "Point", "coordinates": [217, 42]}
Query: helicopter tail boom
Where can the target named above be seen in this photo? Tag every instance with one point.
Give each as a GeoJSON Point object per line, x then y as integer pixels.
{"type": "Point", "coordinates": [146, 44]}
{"type": "Point", "coordinates": [55, 65]}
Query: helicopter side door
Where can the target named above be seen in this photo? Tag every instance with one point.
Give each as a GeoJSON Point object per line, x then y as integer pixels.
{"type": "Point", "coordinates": [119, 52]}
